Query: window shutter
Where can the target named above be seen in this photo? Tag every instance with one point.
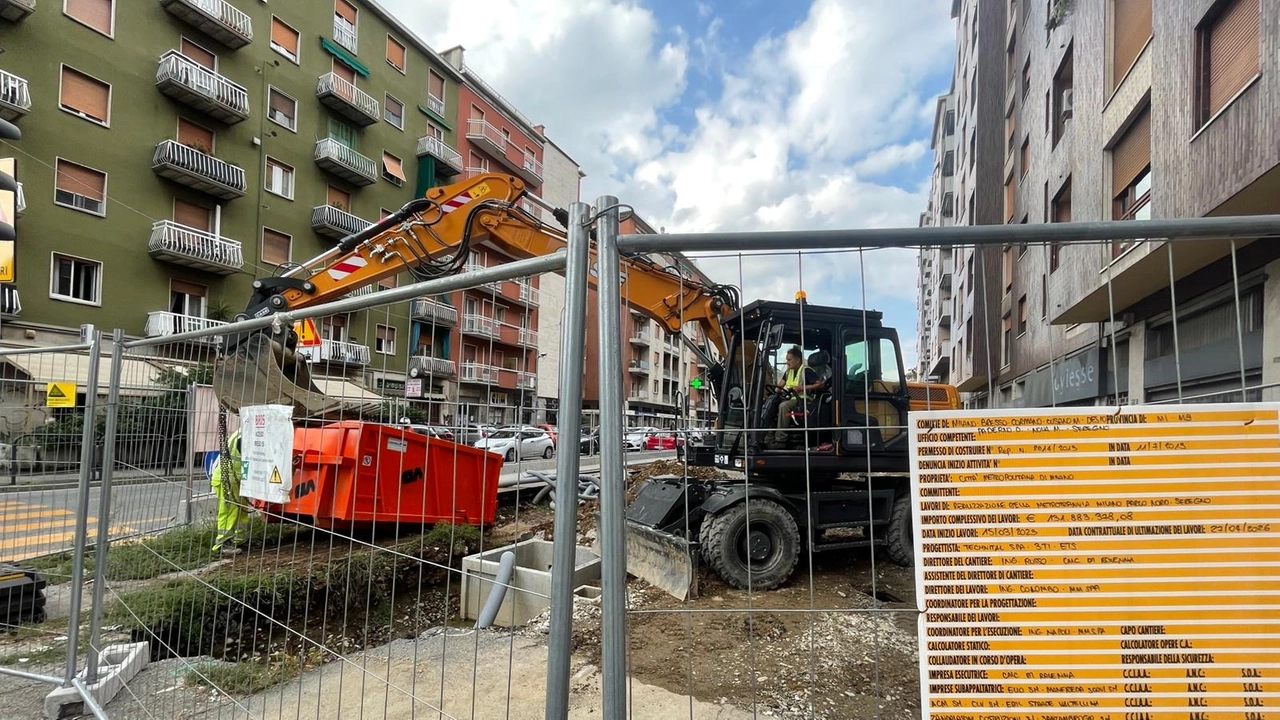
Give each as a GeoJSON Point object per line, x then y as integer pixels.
{"type": "Point", "coordinates": [344, 72]}
{"type": "Point", "coordinates": [191, 215]}
{"type": "Point", "coordinates": [1233, 52]}
{"type": "Point", "coordinates": [284, 36]}
{"type": "Point", "coordinates": [395, 52]}
{"type": "Point", "coordinates": [186, 288]}
{"type": "Point", "coordinates": [1131, 29]}
{"type": "Point", "coordinates": [94, 13]}
{"type": "Point", "coordinates": [392, 165]}
{"type": "Point", "coordinates": [1131, 153]}
{"type": "Point", "coordinates": [81, 180]}
{"type": "Point", "coordinates": [435, 86]}
{"type": "Point", "coordinates": [282, 104]}
{"type": "Point", "coordinates": [83, 93]}
{"type": "Point", "coordinates": [339, 197]}
{"type": "Point", "coordinates": [199, 55]}
{"type": "Point", "coordinates": [191, 134]}
{"type": "Point", "coordinates": [344, 10]}
{"type": "Point", "coordinates": [275, 247]}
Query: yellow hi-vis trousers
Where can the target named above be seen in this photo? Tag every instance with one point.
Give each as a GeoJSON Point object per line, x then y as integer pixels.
{"type": "Point", "coordinates": [233, 516]}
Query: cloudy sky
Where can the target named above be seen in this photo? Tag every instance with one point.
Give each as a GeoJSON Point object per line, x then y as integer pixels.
{"type": "Point", "coordinates": [732, 115]}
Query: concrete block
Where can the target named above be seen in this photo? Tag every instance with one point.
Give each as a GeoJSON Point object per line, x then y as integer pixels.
{"type": "Point", "coordinates": [530, 590]}
{"type": "Point", "coordinates": [117, 665]}
{"type": "Point", "coordinates": [590, 592]}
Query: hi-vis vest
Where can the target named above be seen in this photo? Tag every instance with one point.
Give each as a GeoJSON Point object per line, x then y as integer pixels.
{"type": "Point", "coordinates": [795, 379]}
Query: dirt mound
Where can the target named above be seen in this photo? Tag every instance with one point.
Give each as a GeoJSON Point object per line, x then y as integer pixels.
{"type": "Point", "coordinates": [640, 473]}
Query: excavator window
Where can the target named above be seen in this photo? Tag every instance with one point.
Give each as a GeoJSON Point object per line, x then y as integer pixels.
{"type": "Point", "coordinates": [873, 383]}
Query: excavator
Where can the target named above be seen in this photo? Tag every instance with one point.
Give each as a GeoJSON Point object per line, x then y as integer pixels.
{"type": "Point", "coordinates": [839, 480]}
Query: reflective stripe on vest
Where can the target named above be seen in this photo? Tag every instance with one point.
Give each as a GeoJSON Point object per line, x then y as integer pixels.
{"type": "Point", "coordinates": [794, 379]}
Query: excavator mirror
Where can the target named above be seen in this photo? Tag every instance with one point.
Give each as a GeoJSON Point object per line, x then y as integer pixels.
{"type": "Point", "coordinates": [773, 340]}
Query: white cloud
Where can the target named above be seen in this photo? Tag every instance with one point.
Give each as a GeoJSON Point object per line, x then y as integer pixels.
{"type": "Point", "coordinates": [889, 157]}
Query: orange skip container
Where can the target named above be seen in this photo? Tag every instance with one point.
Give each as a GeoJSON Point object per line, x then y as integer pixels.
{"type": "Point", "coordinates": [355, 473]}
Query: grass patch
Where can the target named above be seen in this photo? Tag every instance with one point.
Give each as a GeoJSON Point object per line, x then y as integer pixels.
{"type": "Point", "coordinates": [247, 677]}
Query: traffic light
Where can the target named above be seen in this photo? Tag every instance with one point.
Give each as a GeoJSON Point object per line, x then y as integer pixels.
{"type": "Point", "coordinates": [8, 204]}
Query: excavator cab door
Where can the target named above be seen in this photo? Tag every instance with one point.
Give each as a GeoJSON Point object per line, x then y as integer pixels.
{"type": "Point", "coordinates": [874, 403]}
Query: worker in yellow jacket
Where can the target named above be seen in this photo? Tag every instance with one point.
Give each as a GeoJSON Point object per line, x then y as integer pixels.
{"type": "Point", "coordinates": [233, 516]}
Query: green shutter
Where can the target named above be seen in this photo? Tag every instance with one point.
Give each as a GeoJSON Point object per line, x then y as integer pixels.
{"type": "Point", "coordinates": [343, 133]}
{"type": "Point", "coordinates": [426, 175]}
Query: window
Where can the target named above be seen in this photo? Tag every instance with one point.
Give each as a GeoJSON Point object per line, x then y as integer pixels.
{"type": "Point", "coordinates": [1010, 131]}
{"type": "Point", "coordinates": [949, 125]}
{"type": "Point", "coordinates": [949, 163]}
{"type": "Point", "coordinates": [1006, 340]}
{"type": "Point", "coordinates": [435, 132]}
{"type": "Point", "coordinates": [1063, 96]}
{"type": "Point", "coordinates": [345, 72]}
{"type": "Point", "coordinates": [339, 198]}
{"type": "Point", "coordinates": [948, 204]}
{"type": "Point", "coordinates": [1130, 30]}
{"type": "Point", "coordinates": [1025, 159]}
{"type": "Point", "coordinates": [1010, 199]}
{"type": "Point", "coordinates": [1131, 174]}
{"type": "Point", "coordinates": [187, 299]}
{"type": "Point", "coordinates": [1044, 297]}
{"type": "Point", "coordinates": [973, 146]}
{"type": "Point", "coordinates": [284, 39]}
{"type": "Point", "coordinates": [282, 109]}
{"type": "Point", "coordinates": [198, 55]}
{"type": "Point", "coordinates": [1026, 78]}
{"type": "Point", "coordinates": [276, 247]}
{"type": "Point", "coordinates": [435, 93]}
{"type": "Point", "coordinates": [391, 169]}
{"type": "Point", "coordinates": [1022, 315]}
{"type": "Point", "coordinates": [393, 111]}
{"type": "Point", "coordinates": [75, 279]}
{"type": "Point", "coordinates": [344, 24]}
{"type": "Point", "coordinates": [334, 328]}
{"type": "Point", "coordinates": [395, 53]}
{"type": "Point", "coordinates": [388, 283]}
{"type": "Point", "coordinates": [97, 14]}
{"type": "Point", "coordinates": [1006, 274]}
{"type": "Point", "coordinates": [279, 178]}
{"type": "Point", "coordinates": [196, 137]}
{"type": "Point", "coordinates": [385, 344]}
{"type": "Point", "coordinates": [80, 188]}
{"type": "Point", "coordinates": [85, 96]}
{"type": "Point", "coordinates": [191, 215]}
{"type": "Point", "coordinates": [1227, 55]}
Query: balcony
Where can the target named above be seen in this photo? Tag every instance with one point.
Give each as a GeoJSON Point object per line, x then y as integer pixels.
{"type": "Point", "coordinates": [426, 366]}
{"type": "Point", "coordinates": [188, 166]}
{"type": "Point", "coordinates": [15, 95]}
{"type": "Point", "coordinates": [347, 100]}
{"type": "Point", "coordinates": [332, 222]}
{"type": "Point", "coordinates": [217, 18]}
{"type": "Point", "coordinates": [435, 104]}
{"type": "Point", "coordinates": [944, 319]}
{"type": "Point", "coordinates": [451, 160]}
{"type": "Point", "coordinates": [337, 351]}
{"type": "Point", "coordinates": [477, 373]}
{"type": "Point", "coordinates": [20, 204]}
{"type": "Point", "coordinates": [529, 294]}
{"type": "Point", "coordinates": [435, 313]}
{"type": "Point", "coordinates": [474, 171]}
{"type": "Point", "coordinates": [638, 396]}
{"type": "Point", "coordinates": [945, 281]}
{"type": "Point", "coordinates": [640, 367]}
{"type": "Point", "coordinates": [182, 245]}
{"type": "Point", "coordinates": [526, 381]}
{"type": "Point", "coordinates": [344, 33]}
{"type": "Point", "coordinates": [472, 267]}
{"type": "Point", "coordinates": [491, 140]}
{"type": "Point", "coordinates": [164, 324]}
{"type": "Point", "coordinates": [10, 302]}
{"type": "Point", "coordinates": [481, 326]}
{"type": "Point", "coordinates": [199, 87]}
{"type": "Point", "coordinates": [346, 163]}
{"type": "Point", "coordinates": [528, 338]}
{"type": "Point", "coordinates": [16, 10]}
{"type": "Point", "coordinates": [640, 338]}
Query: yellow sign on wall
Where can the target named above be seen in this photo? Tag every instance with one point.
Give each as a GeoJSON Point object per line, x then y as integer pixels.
{"type": "Point", "coordinates": [306, 332]}
{"type": "Point", "coordinates": [60, 394]}
{"type": "Point", "coordinates": [1120, 564]}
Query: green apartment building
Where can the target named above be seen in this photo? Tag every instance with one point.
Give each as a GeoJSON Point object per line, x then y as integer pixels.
{"type": "Point", "coordinates": [173, 150]}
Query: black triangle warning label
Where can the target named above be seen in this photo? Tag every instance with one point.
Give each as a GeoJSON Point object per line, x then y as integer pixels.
{"type": "Point", "coordinates": [275, 476]}
{"type": "Point", "coordinates": [55, 391]}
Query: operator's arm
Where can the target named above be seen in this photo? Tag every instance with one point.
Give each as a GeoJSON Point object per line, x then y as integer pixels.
{"type": "Point", "coordinates": [811, 380]}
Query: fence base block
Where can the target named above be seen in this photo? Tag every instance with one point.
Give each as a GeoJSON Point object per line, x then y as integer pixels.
{"type": "Point", "coordinates": [117, 665]}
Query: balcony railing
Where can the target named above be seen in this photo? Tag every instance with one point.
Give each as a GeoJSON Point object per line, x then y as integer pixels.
{"type": "Point", "coordinates": [346, 163]}
{"type": "Point", "coordinates": [488, 137]}
{"type": "Point", "coordinates": [530, 169]}
{"type": "Point", "coordinates": [16, 10]}
{"type": "Point", "coordinates": [348, 100]}
{"type": "Point", "coordinates": [638, 396]}
{"type": "Point", "coordinates": [529, 294]}
{"type": "Point", "coordinates": [182, 245]}
{"type": "Point", "coordinates": [478, 373]}
{"type": "Point", "coordinates": [188, 166]}
{"type": "Point", "coordinates": [426, 366]}
{"type": "Point", "coordinates": [474, 171]}
{"type": "Point", "coordinates": [331, 222]}
{"type": "Point", "coordinates": [528, 337]}
{"type": "Point", "coordinates": [527, 381]}
{"type": "Point", "coordinates": [20, 204]}
{"type": "Point", "coordinates": [435, 104]}
{"type": "Point", "coordinates": [434, 312]}
{"type": "Point", "coordinates": [163, 324]}
{"type": "Point", "coordinates": [337, 351]}
{"type": "Point", "coordinates": [217, 18]}
{"type": "Point", "coordinates": [10, 302]}
{"type": "Point", "coordinates": [436, 148]}
{"type": "Point", "coordinates": [480, 325]}
{"type": "Point", "coordinates": [15, 96]}
{"type": "Point", "coordinates": [344, 33]}
{"type": "Point", "coordinates": [640, 338]}
{"type": "Point", "coordinates": [184, 80]}
{"type": "Point", "coordinates": [472, 267]}
{"type": "Point", "coordinates": [638, 366]}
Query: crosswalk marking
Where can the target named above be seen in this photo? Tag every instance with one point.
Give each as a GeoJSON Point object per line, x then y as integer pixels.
{"type": "Point", "coordinates": [48, 530]}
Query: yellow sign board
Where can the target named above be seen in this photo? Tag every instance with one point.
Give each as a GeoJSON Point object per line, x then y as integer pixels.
{"type": "Point", "coordinates": [60, 395]}
{"type": "Point", "coordinates": [1122, 564]}
{"type": "Point", "coordinates": [307, 334]}
{"type": "Point", "coordinates": [8, 216]}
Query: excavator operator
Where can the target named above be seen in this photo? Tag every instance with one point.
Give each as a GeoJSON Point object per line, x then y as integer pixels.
{"type": "Point", "coordinates": [798, 379]}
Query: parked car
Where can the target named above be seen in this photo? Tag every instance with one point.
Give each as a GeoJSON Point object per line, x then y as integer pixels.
{"type": "Point", "coordinates": [589, 443]}
{"type": "Point", "coordinates": [635, 437]}
{"type": "Point", "coordinates": [432, 431]}
{"type": "Point", "coordinates": [550, 429]}
{"type": "Point", "coordinates": [517, 444]}
{"type": "Point", "coordinates": [663, 441]}
{"type": "Point", "coordinates": [471, 433]}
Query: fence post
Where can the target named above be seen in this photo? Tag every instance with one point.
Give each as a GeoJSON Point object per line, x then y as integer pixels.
{"type": "Point", "coordinates": [613, 477]}
{"type": "Point", "coordinates": [82, 504]}
{"type": "Point", "coordinates": [564, 551]}
{"type": "Point", "coordinates": [104, 505]}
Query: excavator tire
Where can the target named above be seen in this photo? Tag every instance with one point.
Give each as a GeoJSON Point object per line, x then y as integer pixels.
{"type": "Point", "coordinates": [900, 545]}
{"type": "Point", "coordinates": [773, 537]}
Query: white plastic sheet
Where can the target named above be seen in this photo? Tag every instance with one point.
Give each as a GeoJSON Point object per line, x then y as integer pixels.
{"type": "Point", "coordinates": [267, 449]}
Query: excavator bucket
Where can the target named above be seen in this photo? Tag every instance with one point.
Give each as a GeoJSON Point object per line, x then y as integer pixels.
{"type": "Point", "coordinates": [662, 521]}
{"type": "Point", "coordinates": [260, 370]}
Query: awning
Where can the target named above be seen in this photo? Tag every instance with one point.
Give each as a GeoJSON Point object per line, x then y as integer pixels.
{"type": "Point", "coordinates": [343, 56]}
{"type": "Point", "coordinates": [137, 377]}
{"type": "Point", "coordinates": [340, 388]}
{"type": "Point", "coordinates": [392, 165]}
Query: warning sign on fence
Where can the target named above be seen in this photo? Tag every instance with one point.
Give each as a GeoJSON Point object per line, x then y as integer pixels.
{"type": "Point", "coordinates": [60, 395]}
{"type": "Point", "coordinates": [267, 448]}
{"type": "Point", "coordinates": [1123, 564]}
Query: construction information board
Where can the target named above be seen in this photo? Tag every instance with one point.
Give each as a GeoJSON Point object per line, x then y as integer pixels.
{"type": "Point", "coordinates": [1096, 564]}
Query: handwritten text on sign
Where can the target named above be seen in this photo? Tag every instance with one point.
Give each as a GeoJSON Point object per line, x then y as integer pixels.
{"type": "Point", "coordinates": [1104, 565]}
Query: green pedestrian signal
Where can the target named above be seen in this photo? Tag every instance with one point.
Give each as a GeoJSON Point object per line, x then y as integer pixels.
{"type": "Point", "coordinates": [696, 383]}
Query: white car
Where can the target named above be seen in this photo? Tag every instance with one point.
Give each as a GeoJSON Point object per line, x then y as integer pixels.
{"type": "Point", "coordinates": [513, 444]}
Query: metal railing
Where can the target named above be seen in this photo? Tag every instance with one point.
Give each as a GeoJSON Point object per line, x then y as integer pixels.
{"type": "Point", "coordinates": [638, 366]}
{"type": "Point", "coordinates": [474, 171]}
{"type": "Point", "coordinates": [480, 325]}
{"type": "Point", "coordinates": [640, 396]}
{"type": "Point", "coordinates": [336, 221]}
{"type": "Point", "coordinates": [527, 381]}
{"type": "Point", "coordinates": [331, 84]}
{"type": "Point", "coordinates": [176, 67]}
{"type": "Point", "coordinates": [479, 372]}
{"type": "Point", "coordinates": [344, 33]}
{"type": "Point", "coordinates": [163, 323]}
{"type": "Point", "coordinates": [435, 312]}
{"type": "Point", "coordinates": [188, 160]}
{"type": "Point", "coordinates": [473, 267]}
{"type": "Point", "coordinates": [191, 246]}
{"type": "Point", "coordinates": [431, 145]}
{"type": "Point", "coordinates": [528, 337]}
{"type": "Point", "coordinates": [10, 300]}
{"type": "Point", "coordinates": [222, 12]}
{"type": "Point", "coordinates": [15, 92]}
{"type": "Point", "coordinates": [338, 351]}
{"type": "Point", "coordinates": [20, 202]}
{"type": "Point", "coordinates": [480, 129]}
{"type": "Point", "coordinates": [331, 149]}
{"type": "Point", "coordinates": [533, 166]}
{"type": "Point", "coordinates": [428, 365]}
{"type": "Point", "coordinates": [435, 104]}
{"type": "Point", "coordinates": [474, 77]}
{"type": "Point", "coordinates": [529, 294]}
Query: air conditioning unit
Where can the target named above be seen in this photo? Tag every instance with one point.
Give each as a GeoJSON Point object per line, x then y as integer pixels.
{"type": "Point", "coordinates": [1066, 104]}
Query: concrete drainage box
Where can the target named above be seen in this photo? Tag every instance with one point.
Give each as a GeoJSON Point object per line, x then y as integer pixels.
{"type": "Point", "coordinates": [530, 590]}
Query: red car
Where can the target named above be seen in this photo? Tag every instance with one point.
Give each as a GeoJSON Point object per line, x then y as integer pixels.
{"type": "Point", "coordinates": [663, 441]}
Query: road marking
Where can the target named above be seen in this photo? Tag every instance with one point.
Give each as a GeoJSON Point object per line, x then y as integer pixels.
{"type": "Point", "coordinates": [19, 541]}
